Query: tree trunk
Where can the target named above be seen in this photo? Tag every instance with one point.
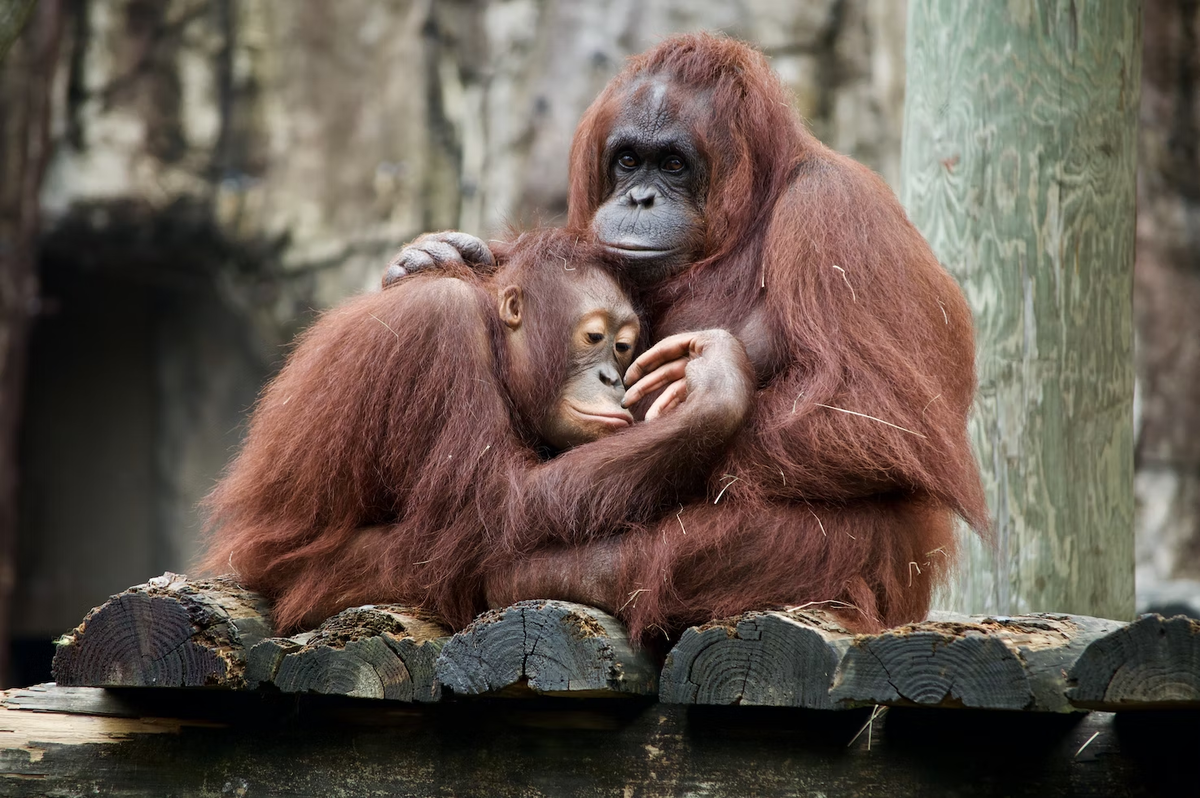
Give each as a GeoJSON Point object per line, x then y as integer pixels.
{"type": "Point", "coordinates": [26, 76]}
{"type": "Point", "coordinates": [1019, 166]}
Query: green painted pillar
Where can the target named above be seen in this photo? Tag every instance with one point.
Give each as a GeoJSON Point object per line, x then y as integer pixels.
{"type": "Point", "coordinates": [1019, 166]}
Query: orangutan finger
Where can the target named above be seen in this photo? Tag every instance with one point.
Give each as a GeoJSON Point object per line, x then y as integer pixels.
{"type": "Point", "coordinates": [675, 393]}
{"type": "Point", "coordinates": [395, 272]}
{"type": "Point", "coordinates": [661, 376]}
{"type": "Point", "coordinates": [443, 254]}
{"type": "Point", "coordinates": [472, 249]}
{"type": "Point", "coordinates": [407, 261]}
{"type": "Point", "coordinates": [413, 260]}
{"type": "Point", "coordinates": [673, 347]}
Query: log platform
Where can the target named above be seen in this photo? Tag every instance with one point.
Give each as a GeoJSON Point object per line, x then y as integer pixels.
{"type": "Point", "coordinates": [984, 663]}
{"type": "Point", "coordinates": [535, 699]}
{"type": "Point", "coordinates": [176, 632]}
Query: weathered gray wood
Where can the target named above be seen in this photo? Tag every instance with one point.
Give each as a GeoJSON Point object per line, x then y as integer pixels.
{"type": "Point", "coordinates": [169, 632]}
{"type": "Point", "coordinates": [252, 743]}
{"type": "Point", "coordinates": [51, 697]}
{"type": "Point", "coordinates": [1019, 168]}
{"type": "Point", "coordinates": [781, 659]}
{"type": "Point", "coordinates": [375, 651]}
{"type": "Point", "coordinates": [1152, 663]}
{"type": "Point", "coordinates": [264, 658]}
{"type": "Point", "coordinates": [980, 662]}
{"type": "Point", "coordinates": [551, 647]}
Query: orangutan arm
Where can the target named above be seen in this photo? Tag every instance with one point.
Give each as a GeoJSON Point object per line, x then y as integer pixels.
{"type": "Point", "coordinates": [603, 487]}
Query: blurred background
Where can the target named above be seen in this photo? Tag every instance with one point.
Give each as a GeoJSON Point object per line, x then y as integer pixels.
{"type": "Point", "coordinates": [184, 183]}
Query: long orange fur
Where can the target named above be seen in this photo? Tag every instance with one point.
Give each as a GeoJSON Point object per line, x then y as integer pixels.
{"type": "Point", "coordinates": [392, 460]}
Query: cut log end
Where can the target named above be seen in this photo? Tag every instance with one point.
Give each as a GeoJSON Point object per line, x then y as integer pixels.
{"type": "Point", "coordinates": [1153, 663]}
{"type": "Point", "coordinates": [1001, 662]}
{"type": "Point", "coordinates": [549, 647]}
{"type": "Point", "coordinates": [169, 632]}
{"type": "Point", "coordinates": [375, 651]}
{"type": "Point", "coordinates": [760, 658]}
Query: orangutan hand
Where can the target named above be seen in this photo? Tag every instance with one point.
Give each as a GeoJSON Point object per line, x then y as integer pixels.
{"type": "Point", "coordinates": [438, 251]}
{"type": "Point", "coordinates": [708, 368]}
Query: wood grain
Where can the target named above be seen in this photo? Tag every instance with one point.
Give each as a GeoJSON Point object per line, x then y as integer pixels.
{"type": "Point", "coordinates": [550, 647]}
{"type": "Point", "coordinates": [1019, 167]}
{"type": "Point", "coordinates": [781, 659]}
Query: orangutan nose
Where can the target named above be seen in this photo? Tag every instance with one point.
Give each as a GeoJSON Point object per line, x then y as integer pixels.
{"type": "Point", "coordinates": [610, 377]}
{"type": "Point", "coordinates": [643, 196]}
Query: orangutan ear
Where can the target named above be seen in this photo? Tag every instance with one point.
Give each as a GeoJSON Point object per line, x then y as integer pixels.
{"type": "Point", "coordinates": [510, 307]}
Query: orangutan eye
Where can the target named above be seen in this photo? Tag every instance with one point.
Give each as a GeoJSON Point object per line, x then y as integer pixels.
{"type": "Point", "coordinates": [627, 160]}
{"type": "Point", "coordinates": [623, 347]}
{"type": "Point", "coordinates": [673, 165]}
{"type": "Point", "coordinates": [595, 337]}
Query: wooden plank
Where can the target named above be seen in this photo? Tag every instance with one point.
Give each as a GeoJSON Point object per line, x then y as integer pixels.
{"type": "Point", "coordinates": [550, 647]}
{"type": "Point", "coordinates": [169, 632]}
{"type": "Point", "coordinates": [50, 697]}
{"type": "Point", "coordinates": [782, 659]}
{"type": "Point", "coordinates": [374, 651]}
{"type": "Point", "coordinates": [263, 743]}
{"type": "Point", "coordinates": [1152, 663]}
{"type": "Point", "coordinates": [978, 662]}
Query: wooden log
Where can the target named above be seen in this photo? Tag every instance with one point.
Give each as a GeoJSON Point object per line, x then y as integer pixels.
{"type": "Point", "coordinates": [264, 659]}
{"type": "Point", "coordinates": [169, 632]}
{"type": "Point", "coordinates": [980, 662]}
{"type": "Point", "coordinates": [1152, 663]}
{"type": "Point", "coordinates": [549, 647]}
{"type": "Point", "coordinates": [375, 651]}
{"type": "Point", "coordinates": [780, 659]}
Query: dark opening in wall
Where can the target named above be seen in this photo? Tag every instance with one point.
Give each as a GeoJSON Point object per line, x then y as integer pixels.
{"type": "Point", "coordinates": [140, 375]}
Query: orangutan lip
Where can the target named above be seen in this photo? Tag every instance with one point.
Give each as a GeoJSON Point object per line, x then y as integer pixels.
{"type": "Point", "coordinates": [631, 250]}
{"type": "Point", "coordinates": [608, 419]}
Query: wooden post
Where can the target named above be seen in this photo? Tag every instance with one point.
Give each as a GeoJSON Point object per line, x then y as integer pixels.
{"type": "Point", "coordinates": [1018, 166]}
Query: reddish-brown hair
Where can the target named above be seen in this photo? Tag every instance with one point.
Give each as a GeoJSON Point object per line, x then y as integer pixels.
{"type": "Point", "coordinates": [392, 459]}
{"type": "Point", "coordinates": [375, 464]}
{"type": "Point", "coordinates": [842, 486]}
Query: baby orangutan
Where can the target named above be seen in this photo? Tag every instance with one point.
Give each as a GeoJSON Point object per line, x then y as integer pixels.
{"type": "Point", "coordinates": [379, 464]}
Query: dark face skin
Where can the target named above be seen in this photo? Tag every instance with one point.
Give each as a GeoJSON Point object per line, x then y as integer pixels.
{"type": "Point", "coordinates": [654, 216]}
{"type": "Point", "coordinates": [602, 339]}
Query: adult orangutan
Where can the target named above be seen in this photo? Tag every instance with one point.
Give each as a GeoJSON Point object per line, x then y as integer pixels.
{"type": "Point", "coordinates": [378, 464]}
{"type": "Point", "coordinates": [842, 485]}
